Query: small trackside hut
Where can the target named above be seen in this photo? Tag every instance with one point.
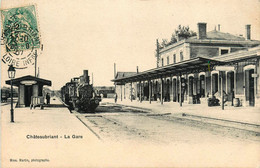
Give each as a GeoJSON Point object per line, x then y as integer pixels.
{"type": "Point", "coordinates": [30, 90]}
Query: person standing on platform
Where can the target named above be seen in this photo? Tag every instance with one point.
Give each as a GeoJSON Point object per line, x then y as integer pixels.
{"type": "Point", "coordinates": [115, 98]}
{"type": "Point", "coordinates": [48, 98]}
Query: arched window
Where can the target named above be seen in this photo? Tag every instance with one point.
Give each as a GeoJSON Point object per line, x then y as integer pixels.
{"type": "Point", "coordinates": [162, 61]}
{"type": "Point", "coordinates": [181, 56]}
{"type": "Point", "coordinates": [174, 58]}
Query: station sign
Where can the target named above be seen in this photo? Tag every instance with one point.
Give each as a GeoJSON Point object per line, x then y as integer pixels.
{"type": "Point", "coordinates": [225, 68]}
{"type": "Point", "coordinates": [28, 82]}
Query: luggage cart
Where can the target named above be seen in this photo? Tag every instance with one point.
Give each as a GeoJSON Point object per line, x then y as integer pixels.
{"type": "Point", "coordinates": [37, 101]}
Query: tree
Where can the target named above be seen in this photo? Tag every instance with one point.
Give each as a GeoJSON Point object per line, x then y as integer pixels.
{"type": "Point", "coordinates": [173, 39]}
{"type": "Point", "coordinates": [164, 43]}
{"type": "Point", "coordinates": [182, 32]}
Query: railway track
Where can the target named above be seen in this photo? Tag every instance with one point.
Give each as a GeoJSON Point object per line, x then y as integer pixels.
{"type": "Point", "coordinates": [134, 124]}
{"type": "Point", "coordinates": [106, 127]}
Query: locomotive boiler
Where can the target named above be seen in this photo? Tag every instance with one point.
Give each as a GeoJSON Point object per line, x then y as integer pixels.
{"type": "Point", "coordinates": [79, 94]}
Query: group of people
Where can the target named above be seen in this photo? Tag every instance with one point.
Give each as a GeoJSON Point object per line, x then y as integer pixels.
{"type": "Point", "coordinates": [215, 96]}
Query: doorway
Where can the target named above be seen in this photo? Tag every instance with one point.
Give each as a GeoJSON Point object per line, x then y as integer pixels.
{"type": "Point", "coordinates": [251, 88]}
{"type": "Point", "coordinates": [27, 95]}
{"type": "Point", "coordinates": [167, 92]}
{"type": "Point", "coordinates": [191, 86]}
{"type": "Point", "coordinates": [174, 90]}
{"type": "Point", "coordinates": [214, 83]}
{"type": "Point", "coordinates": [202, 86]}
{"type": "Point", "coordinates": [146, 91]}
{"type": "Point", "coordinates": [230, 86]}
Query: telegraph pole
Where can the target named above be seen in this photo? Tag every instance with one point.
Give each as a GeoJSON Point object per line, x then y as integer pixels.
{"type": "Point", "coordinates": [157, 53]}
{"type": "Point", "coordinates": [35, 66]}
{"type": "Point", "coordinates": [35, 63]}
{"type": "Point", "coordinates": [115, 76]}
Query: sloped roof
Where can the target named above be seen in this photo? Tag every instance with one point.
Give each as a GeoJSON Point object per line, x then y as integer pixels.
{"type": "Point", "coordinates": [177, 68]}
{"type": "Point", "coordinates": [239, 55]}
{"type": "Point", "coordinates": [17, 81]}
{"type": "Point", "coordinates": [217, 35]}
{"type": "Point", "coordinates": [124, 74]}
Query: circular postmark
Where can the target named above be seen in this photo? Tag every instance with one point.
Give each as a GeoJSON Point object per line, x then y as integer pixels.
{"type": "Point", "coordinates": [20, 59]}
{"type": "Point", "coordinates": [20, 36]}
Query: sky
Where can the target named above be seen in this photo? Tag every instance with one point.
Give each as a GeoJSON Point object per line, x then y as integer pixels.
{"type": "Point", "coordinates": [93, 35]}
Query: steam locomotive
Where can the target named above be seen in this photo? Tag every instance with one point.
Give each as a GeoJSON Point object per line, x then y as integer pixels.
{"type": "Point", "coordinates": [79, 95]}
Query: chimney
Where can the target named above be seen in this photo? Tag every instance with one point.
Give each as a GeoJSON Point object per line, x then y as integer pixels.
{"type": "Point", "coordinates": [137, 69]}
{"type": "Point", "coordinates": [248, 32]}
{"type": "Point", "coordinates": [202, 31]}
{"type": "Point", "coordinates": [218, 27]}
{"type": "Point", "coordinates": [157, 53]}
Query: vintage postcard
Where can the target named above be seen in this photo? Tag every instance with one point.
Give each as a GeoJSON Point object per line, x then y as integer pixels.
{"type": "Point", "coordinates": [155, 83]}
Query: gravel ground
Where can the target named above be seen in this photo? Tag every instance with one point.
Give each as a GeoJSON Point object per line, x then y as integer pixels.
{"type": "Point", "coordinates": [119, 123]}
{"type": "Point", "coordinates": [151, 139]}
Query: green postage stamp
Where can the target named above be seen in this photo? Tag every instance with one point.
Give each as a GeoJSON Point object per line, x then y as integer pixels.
{"type": "Point", "coordinates": [20, 29]}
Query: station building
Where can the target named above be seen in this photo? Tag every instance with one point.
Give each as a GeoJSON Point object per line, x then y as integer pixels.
{"type": "Point", "coordinates": [123, 90]}
{"type": "Point", "coordinates": [194, 69]}
{"type": "Point", "coordinates": [106, 91]}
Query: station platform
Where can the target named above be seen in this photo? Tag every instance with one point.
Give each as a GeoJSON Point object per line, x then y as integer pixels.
{"type": "Point", "coordinates": [31, 142]}
{"type": "Point", "coordinates": [237, 114]}
{"type": "Point", "coordinates": [44, 137]}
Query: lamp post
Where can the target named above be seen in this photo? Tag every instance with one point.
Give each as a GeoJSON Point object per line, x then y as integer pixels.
{"type": "Point", "coordinates": [11, 75]}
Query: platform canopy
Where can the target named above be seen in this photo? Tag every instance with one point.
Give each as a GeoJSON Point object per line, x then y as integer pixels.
{"type": "Point", "coordinates": [192, 65]}
{"type": "Point", "coordinates": [28, 80]}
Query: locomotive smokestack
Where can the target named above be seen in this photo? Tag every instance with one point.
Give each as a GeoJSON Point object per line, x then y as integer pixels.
{"type": "Point", "coordinates": [85, 76]}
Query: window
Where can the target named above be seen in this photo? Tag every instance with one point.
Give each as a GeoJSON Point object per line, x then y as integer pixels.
{"type": "Point", "coordinates": [162, 61]}
{"type": "Point", "coordinates": [168, 60]}
{"type": "Point", "coordinates": [224, 50]}
{"type": "Point", "coordinates": [174, 58]}
{"type": "Point", "coordinates": [181, 56]}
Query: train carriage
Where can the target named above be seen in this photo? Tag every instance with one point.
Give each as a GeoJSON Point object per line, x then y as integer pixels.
{"type": "Point", "coordinates": [5, 94]}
